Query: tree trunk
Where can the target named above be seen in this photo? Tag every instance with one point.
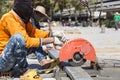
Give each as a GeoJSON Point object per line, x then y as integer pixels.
{"type": "Point", "coordinates": [100, 21]}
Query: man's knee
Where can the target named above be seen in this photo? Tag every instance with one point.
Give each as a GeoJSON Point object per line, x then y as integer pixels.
{"type": "Point", "coordinates": [19, 37]}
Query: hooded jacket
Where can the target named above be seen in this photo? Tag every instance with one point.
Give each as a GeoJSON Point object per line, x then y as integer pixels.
{"type": "Point", "coordinates": [24, 8]}
{"type": "Point", "coordinates": [11, 23]}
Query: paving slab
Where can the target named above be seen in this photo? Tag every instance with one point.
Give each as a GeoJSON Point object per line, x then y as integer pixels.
{"type": "Point", "coordinates": [105, 78]}
{"type": "Point", "coordinates": [65, 78]}
{"type": "Point", "coordinates": [110, 72]}
{"type": "Point", "coordinates": [53, 53]}
{"type": "Point", "coordinates": [77, 73]}
{"type": "Point", "coordinates": [49, 79]}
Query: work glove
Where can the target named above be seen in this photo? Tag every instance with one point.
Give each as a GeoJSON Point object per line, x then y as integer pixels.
{"type": "Point", "coordinates": [57, 41]}
{"type": "Point", "coordinates": [60, 35]}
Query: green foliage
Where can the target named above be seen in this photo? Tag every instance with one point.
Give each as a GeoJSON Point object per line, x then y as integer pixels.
{"type": "Point", "coordinates": [106, 22]}
{"type": "Point", "coordinates": [77, 5]}
{"type": "Point", "coordinates": [50, 5]}
{"type": "Point", "coordinates": [5, 6]}
{"type": "Point", "coordinates": [56, 9]}
{"type": "Point", "coordinates": [92, 1]}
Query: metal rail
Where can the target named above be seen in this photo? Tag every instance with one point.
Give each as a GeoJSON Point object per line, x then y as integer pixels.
{"type": "Point", "coordinates": [108, 6]}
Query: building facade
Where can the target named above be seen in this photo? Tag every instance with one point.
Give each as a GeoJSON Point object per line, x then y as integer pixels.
{"type": "Point", "coordinates": [107, 5]}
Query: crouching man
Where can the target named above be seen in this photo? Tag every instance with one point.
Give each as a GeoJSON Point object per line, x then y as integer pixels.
{"type": "Point", "coordinates": [18, 35]}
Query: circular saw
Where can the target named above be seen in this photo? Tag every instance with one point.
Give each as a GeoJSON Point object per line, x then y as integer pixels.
{"type": "Point", "coordinates": [77, 51]}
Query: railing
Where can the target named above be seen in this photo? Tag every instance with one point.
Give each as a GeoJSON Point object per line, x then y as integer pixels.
{"type": "Point", "coordinates": [106, 6]}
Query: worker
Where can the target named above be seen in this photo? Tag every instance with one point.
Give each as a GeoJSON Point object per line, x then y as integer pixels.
{"type": "Point", "coordinates": [17, 35]}
{"type": "Point", "coordinates": [39, 15]}
{"type": "Point", "coordinates": [116, 20]}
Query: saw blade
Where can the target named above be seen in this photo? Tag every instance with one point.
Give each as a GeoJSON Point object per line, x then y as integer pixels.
{"type": "Point", "coordinates": [77, 59]}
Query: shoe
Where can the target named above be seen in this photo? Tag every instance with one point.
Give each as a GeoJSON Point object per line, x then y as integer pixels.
{"type": "Point", "coordinates": [48, 66]}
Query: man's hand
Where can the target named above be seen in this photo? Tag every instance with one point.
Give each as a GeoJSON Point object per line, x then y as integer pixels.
{"type": "Point", "coordinates": [57, 41]}
{"type": "Point", "coordinates": [60, 35]}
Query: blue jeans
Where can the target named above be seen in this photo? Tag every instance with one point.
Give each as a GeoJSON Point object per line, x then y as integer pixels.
{"type": "Point", "coordinates": [15, 53]}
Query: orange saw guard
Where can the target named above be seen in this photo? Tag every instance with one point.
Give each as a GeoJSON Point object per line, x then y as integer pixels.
{"type": "Point", "coordinates": [77, 45]}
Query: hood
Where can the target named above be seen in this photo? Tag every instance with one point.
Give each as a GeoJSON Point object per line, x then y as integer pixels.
{"type": "Point", "coordinates": [24, 9]}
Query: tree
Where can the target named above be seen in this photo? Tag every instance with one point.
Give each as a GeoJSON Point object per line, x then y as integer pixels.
{"type": "Point", "coordinates": [5, 6]}
{"type": "Point", "coordinates": [100, 22]}
{"type": "Point", "coordinates": [78, 7]}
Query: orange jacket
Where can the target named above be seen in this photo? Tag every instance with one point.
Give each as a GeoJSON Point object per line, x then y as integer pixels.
{"type": "Point", "coordinates": [10, 24]}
